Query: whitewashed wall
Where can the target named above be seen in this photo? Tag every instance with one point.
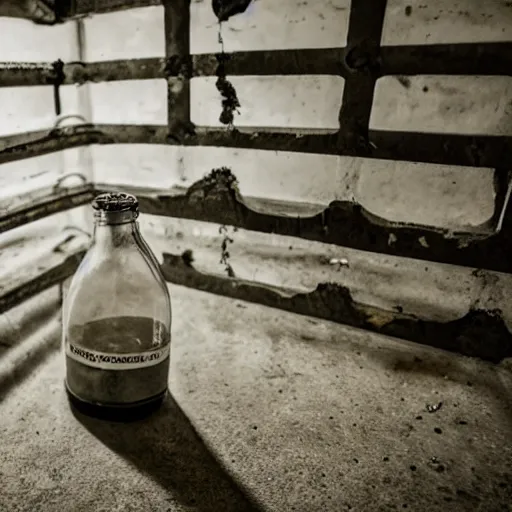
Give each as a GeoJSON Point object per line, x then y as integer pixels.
{"type": "Point", "coordinates": [421, 193]}
{"type": "Point", "coordinates": [400, 191]}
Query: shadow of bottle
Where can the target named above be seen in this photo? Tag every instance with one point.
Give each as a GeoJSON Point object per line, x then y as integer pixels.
{"type": "Point", "coordinates": [166, 448]}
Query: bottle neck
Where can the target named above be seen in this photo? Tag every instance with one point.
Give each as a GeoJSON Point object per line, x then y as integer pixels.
{"type": "Point", "coordinates": [115, 235]}
{"type": "Point", "coordinates": [115, 229]}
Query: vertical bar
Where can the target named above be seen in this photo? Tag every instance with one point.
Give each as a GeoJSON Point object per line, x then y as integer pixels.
{"type": "Point", "coordinates": [177, 52]}
{"type": "Point", "coordinates": [362, 61]}
{"type": "Point", "coordinates": [58, 70]}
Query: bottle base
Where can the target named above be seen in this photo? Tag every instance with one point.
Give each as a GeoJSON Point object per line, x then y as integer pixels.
{"type": "Point", "coordinates": [117, 412]}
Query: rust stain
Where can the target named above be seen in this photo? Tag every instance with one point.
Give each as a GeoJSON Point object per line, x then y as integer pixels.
{"type": "Point", "coordinates": [230, 102]}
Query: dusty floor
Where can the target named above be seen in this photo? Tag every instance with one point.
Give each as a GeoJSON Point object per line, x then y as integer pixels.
{"type": "Point", "coordinates": [303, 415]}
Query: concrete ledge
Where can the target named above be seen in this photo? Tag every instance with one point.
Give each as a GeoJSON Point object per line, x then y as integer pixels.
{"type": "Point", "coordinates": [305, 415]}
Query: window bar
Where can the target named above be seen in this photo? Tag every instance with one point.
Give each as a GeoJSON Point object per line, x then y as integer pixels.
{"type": "Point", "coordinates": [66, 9]}
{"type": "Point", "coordinates": [443, 59]}
{"type": "Point", "coordinates": [19, 292]}
{"type": "Point", "coordinates": [59, 200]}
{"type": "Point", "coordinates": [362, 59]}
{"type": "Point", "coordinates": [449, 149]}
{"type": "Point", "coordinates": [177, 52]}
{"type": "Point", "coordinates": [447, 59]}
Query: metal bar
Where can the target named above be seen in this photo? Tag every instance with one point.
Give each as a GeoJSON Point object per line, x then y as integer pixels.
{"type": "Point", "coordinates": [177, 52]}
{"type": "Point", "coordinates": [58, 201]}
{"type": "Point", "coordinates": [334, 302]}
{"type": "Point", "coordinates": [448, 149]}
{"type": "Point", "coordinates": [443, 148]}
{"type": "Point", "coordinates": [216, 199]}
{"type": "Point", "coordinates": [42, 142]}
{"type": "Point", "coordinates": [447, 59]}
{"type": "Point", "coordinates": [361, 58]}
{"type": "Point", "coordinates": [324, 61]}
{"type": "Point", "coordinates": [135, 69]}
{"type": "Point", "coordinates": [72, 8]}
{"type": "Point", "coordinates": [14, 74]}
{"type": "Point", "coordinates": [52, 276]}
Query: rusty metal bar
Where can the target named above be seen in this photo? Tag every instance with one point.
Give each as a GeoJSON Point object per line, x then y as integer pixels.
{"type": "Point", "coordinates": [52, 276]}
{"type": "Point", "coordinates": [440, 148]}
{"type": "Point", "coordinates": [177, 52]}
{"type": "Point", "coordinates": [42, 142]}
{"type": "Point", "coordinates": [333, 302]}
{"type": "Point", "coordinates": [448, 59]}
{"type": "Point", "coordinates": [325, 61]}
{"type": "Point", "coordinates": [14, 74]}
{"type": "Point", "coordinates": [361, 58]}
{"type": "Point", "coordinates": [136, 69]}
{"type": "Point", "coordinates": [17, 147]}
{"type": "Point", "coordinates": [448, 149]}
{"type": "Point", "coordinates": [58, 201]}
{"type": "Point", "coordinates": [216, 199]}
{"type": "Point", "coordinates": [72, 8]}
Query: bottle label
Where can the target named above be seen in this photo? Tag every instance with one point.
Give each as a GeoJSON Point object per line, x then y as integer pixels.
{"type": "Point", "coordinates": [109, 361]}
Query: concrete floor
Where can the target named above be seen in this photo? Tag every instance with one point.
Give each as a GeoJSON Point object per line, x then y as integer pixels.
{"type": "Point", "coordinates": [300, 414]}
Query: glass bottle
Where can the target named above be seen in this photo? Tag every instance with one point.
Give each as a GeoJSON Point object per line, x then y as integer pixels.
{"type": "Point", "coordinates": [117, 319]}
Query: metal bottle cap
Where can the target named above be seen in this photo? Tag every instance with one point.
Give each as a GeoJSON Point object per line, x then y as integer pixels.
{"type": "Point", "coordinates": [115, 208]}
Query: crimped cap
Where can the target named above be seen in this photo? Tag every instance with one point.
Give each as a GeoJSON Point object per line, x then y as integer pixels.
{"type": "Point", "coordinates": [115, 202]}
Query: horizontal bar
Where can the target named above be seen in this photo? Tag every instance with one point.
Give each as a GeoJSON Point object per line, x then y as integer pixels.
{"type": "Point", "coordinates": [17, 147]}
{"type": "Point", "coordinates": [216, 199]}
{"type": "Point", "coordinates": [447, 59]}
{"type": "Point", "coordinates": [41, 142]}
{"type": "Point", "coordinates": [279, 62]}
{"type": "Point", "coordinates": [310, 61]}
{"type": "Point", "coordinates": [52, 275]}
{"type": "Point", "coordinates": [469, 335]}
{"type": "Point", "coordinates": [459, 59]}
{"type": "Point", "coordinates": [70, 9]}
{"type": "Point", "coordinates": [448, 149]}
{"type": "Point", "coordinates": [443, 148]}
{"type": "Point", "coordinates": [59, 200]}
{"type": "Point", "coordinates": [135, 69]}
{"type": "Point", "coordinates": [14, 74]}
